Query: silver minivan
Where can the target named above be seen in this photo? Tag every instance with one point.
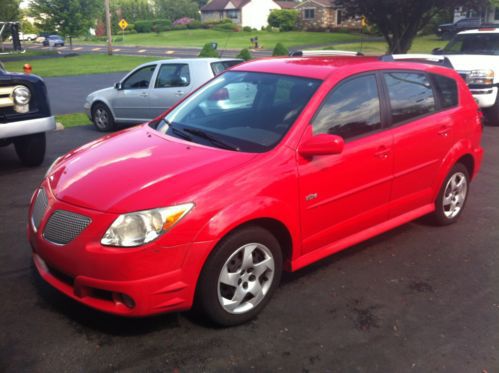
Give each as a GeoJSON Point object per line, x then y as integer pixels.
{"type": "Point", "coordinates": [150, 89]}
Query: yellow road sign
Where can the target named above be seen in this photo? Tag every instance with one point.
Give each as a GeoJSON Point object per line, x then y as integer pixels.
{"type": "Point", "coordinates": [123, 24]}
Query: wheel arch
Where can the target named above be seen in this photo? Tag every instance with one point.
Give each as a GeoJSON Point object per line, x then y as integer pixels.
{"type": "Point", "coordinates": [103, 102]}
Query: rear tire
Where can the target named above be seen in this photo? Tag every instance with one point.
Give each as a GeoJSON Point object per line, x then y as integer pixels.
{"type": "Point", "coordinates": [31, 149]}
{"type": "Point", "coordinates": [239, 277]}
{"type": "Point", "coordinates": [452, 196]}
{"type": "Point", "coordinates": [103, 118]}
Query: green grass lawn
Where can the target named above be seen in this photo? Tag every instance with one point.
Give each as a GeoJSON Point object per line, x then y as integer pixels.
{"type": "Point", "coordinates": [80, 65]}
{"type": "Point", "coordinates": [27, 54]}
{"type": "Point", "coordinates": [424, 44]}
{"type": "Point", "coordinates": [229, 39]}
{"type": "Point", "coordinates": [73, 120]}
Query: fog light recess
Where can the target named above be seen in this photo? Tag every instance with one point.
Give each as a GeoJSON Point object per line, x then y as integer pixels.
{"type": "Point", "coordinates": [124, 299]}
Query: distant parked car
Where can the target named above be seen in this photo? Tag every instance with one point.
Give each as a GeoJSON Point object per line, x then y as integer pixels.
{"type": "Point", "coordinates": [53, 41]}
{"type": "Point", "coordinates": [448, 30]}
{"type": "Point", "coordinates": [150, 89]}
{"type": "Point", "coordinates": [26, 37]}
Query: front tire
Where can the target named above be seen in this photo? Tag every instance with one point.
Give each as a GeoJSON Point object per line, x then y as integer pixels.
{"type": "Point", "coordinates": [103, 118]}
{"type": "Point", "coordinates": [240, 276]}
{"type": "Point", "coordinates": [452, 196]}
{"type": "Point", "coordinates": [31, 149]}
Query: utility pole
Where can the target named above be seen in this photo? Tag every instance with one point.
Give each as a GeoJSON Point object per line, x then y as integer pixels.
{"type": "Point", "coordinates": [108, 28]}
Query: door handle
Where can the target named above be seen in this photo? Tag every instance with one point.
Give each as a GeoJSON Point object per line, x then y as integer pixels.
{"type": "Point", "coordinates": [382, 153]}
{"type": "Point", "coordinates": [180, 93]}
{"type": "Point", "coordinates": [144, 94]}
{"type": "Point", "coordinates": [444, 131]}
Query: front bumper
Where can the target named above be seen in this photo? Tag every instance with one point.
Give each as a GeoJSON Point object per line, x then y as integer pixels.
{"type": "Point", "coordinates": [157, 278]}
{"type": "Point", "coordinates": [485, 97]}
{"type": "Point", "coordinates": [27, 127]}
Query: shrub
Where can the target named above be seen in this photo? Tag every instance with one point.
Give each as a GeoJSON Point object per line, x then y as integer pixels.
{"type": "Point", "coordinates": [245, 54]}
{"type": "Point", "coordinates": [227, 27]}
{"type": "Point", "coordinates": [284, 19]}
{"type": "Point", "coordinates": [280, 50]}
{"type": "Point", "coordinates": [143, 26]}
{"type": "Point", "coordinates": [208, 51]}
{"type": "Point", "coordinates": [247, 29]}
{"type": "Point", "coordinates": [183, 21]}
{"type": "Point", "coordinates": [180, 27]}
{"type": "Point", "coordinates": [195, 25]}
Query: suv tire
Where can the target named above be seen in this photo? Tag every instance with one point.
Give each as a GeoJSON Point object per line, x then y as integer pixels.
{"type": "Point", "coordinates": [31, 149]}
{"type": "Point", "coordinates": [250, 259]}
{"type": "Point", "coordinates": [103, 118]}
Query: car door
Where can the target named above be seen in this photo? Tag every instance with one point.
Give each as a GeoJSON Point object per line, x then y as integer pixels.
{"type": "Point", "coordinates": [422, 136]}
{"type": "Point", "coordinates": [132, 102]}
{"type": "Point", "coordinates": [344, 194]}
{"type": "Point", "coordinates": [173, 81]}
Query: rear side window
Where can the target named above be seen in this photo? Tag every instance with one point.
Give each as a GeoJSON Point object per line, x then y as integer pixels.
{"type": "Point", "coordinates": [447, 89]}
{"type": "Point", "coordinates": [173, 75]}
{"type": "Point", "coordinates": [411, 95]}
{"type": "Point", "coordinates": [351, 109]}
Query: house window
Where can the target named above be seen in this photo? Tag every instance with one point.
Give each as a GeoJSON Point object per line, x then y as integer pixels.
{"type": "Point", "coordinates": [496, 13]}
{"type": "Point", "coordinates": [232, 14]}
{"type": "Point", "coordinates": [309, 13]}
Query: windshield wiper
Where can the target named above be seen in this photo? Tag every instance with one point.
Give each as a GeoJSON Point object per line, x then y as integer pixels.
{"type": "Point", "coordinates": [212, 139]}
{"type": "Point", "coordinates": [178, 131]}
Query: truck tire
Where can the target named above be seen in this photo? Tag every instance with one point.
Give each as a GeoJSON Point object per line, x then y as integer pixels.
{"type": "Point", "coordinates": [31, 149]}
{"type": "Point", "coordinates": [492, 114]}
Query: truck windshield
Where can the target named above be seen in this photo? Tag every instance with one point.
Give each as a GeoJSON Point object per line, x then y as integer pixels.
{"type": "Point", "coordinates": [241, 111]}
{"type": "Point", "coordinates": [479, 43]}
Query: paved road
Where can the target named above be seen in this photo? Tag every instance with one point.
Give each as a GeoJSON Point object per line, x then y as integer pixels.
{"type": "Point", "coordinates": [417, 299]}
{"type": "Point", "coordinates": [67, 94]}
{"type": "Point", "coordinates": [146, 51]}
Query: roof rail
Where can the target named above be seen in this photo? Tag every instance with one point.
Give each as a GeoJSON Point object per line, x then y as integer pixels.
{"type": "Point", "coordinates": [320, 53]}
{"type": "Point", "coordinates": [430, 59]}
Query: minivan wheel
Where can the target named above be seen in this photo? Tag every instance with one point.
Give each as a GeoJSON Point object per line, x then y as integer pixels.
{"type": "Point", "coordinates": [31, 149]}
{"type": "Point", "coordinates": [240, 276]}
{"type": "Point", "coordinates": [452, 196]}
{"type": "Point", "coordinates": [103, 118]}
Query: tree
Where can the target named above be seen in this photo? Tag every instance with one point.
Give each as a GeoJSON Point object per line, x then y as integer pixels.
{"type": "Point", "coordinates": [67, 17]}
{"type": "Point", "coordinates": [399, 21]}
{"type": "Point", "coordinates": [9, 10]}
{"type": "Point", "coordinates": [284, 19]}
{"type": "Point", "coordinates": [175, 9]}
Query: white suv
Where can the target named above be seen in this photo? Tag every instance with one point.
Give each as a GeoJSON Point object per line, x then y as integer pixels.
{"type": "Point", "coordinates": [475, 56]}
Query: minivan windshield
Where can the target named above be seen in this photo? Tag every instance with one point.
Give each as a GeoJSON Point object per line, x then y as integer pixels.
{"type": "Point", "coordinates": [479, 43]}
{"type": "Point", "coordinates": [240, 111]}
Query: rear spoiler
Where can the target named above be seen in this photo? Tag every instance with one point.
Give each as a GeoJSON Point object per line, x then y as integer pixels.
{"type": "Point", "coordinates": [430, 59]}
{"type": "Point", "coordinates": [323, 53]}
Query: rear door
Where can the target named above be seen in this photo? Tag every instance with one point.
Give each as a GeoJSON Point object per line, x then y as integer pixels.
{"type": "Point", "coordinates": [131, 103]}
{"type": "Point", "coordinates": [346, 193]}
{"type": "Point", "coordinates": [173, 81]}
{"type": "Point", "coordinates": [422, 119]}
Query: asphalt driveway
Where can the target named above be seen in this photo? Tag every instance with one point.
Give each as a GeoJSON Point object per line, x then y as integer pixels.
{"type": "Point", "coordinates": [417, 299]}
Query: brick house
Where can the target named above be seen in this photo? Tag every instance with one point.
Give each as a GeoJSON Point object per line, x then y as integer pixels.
{"type": "Point", "coordinates": [324, 15]}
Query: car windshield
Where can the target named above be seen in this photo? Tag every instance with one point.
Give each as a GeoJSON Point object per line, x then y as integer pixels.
{"type": "Point", "coordinates": [241, 111]}
{"type": "Point", "coordinates": [485, 43]}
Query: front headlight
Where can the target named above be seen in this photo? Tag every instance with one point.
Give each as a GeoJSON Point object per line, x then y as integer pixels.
{"type": "Point", "coordinates": [481, 77]}
{"type": "Point", "coordinates": [138, 228]}
{"type": "Point", "coordinates": [21, 95]}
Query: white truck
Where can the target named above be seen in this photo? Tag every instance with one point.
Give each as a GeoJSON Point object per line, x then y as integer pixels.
{"type": "Point", "coordinates": [475, 56]}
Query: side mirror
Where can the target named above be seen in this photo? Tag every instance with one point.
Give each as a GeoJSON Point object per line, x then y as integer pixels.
{"type": "Point", "coordinates": [322, 144]}
{"type": "Point", "coordinates": [437, 51]}
{"type": "Point", "coordinates": [118, 86]}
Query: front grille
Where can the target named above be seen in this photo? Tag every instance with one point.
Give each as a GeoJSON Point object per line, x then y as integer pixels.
{"type": "Point", "coordinates": [64, 226]}
{"type": "Point", "coordinates": [39, 208]}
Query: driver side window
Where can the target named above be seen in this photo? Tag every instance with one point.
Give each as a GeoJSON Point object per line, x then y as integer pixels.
{"type": "Point", "coordinates": [140, 79]}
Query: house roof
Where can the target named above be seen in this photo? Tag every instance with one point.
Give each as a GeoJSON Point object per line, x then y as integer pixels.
{"type": "Point", "coordinates": [323, 3]}
{"type": "Point", "coordinates": [214, 5]}
{"type": "Point", "coordinates": [286, 4]}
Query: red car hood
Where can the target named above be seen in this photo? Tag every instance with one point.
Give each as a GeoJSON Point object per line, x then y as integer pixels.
{"type": "Point", "coordinates": [138, 169]}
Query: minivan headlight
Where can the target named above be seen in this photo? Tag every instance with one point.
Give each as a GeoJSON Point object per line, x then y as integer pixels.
{"type": "Point", "coordinates": [138, 228]}
{"type": "Point", "coordinates": [481, 77]}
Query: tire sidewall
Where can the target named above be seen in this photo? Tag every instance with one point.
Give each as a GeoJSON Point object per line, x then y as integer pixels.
{"type": "Point", "coordinates": [111, 123]}
{"type": "Point", "coordinates": [439, 215]}
{"type": "Point", "coordinates": [31, 149]}
{"type": "Point", "coordinates": [207, 291]}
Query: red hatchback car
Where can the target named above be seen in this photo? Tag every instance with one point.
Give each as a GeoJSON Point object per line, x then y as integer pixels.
{"type": "Point", "coordinates": [272, 165]}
